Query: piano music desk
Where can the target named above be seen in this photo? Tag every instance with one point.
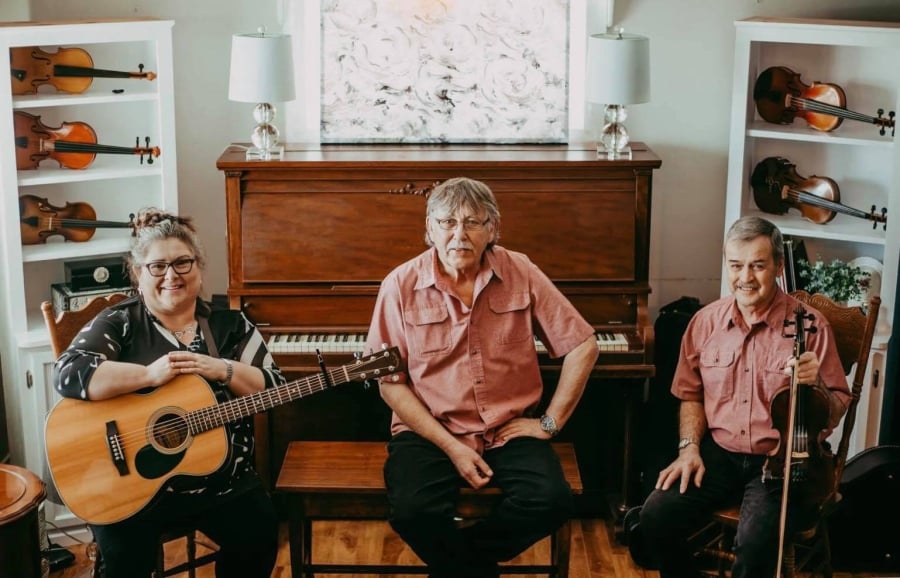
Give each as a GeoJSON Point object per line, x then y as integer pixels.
{"type": "Point", "coordinates": [345, 481]}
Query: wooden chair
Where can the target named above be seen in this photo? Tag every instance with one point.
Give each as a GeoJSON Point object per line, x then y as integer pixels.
{"type": "Point", "coordinates": [63, 329]}
{"type": "Point", "coordinates": [810, 550]}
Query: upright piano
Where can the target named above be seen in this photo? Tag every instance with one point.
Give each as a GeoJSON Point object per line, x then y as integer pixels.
{"type": "Point", "coordinates": [311, 236]}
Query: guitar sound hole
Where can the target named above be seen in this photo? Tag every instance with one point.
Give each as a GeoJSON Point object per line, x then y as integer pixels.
{"type": "Point", "coordinates": [170, 431]}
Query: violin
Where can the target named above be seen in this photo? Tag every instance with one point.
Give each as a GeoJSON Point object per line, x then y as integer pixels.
{"type": "Point", "coordinates": [800, 462]}
{"type": "Point", "coordinates": [68, 69]}
{"type": "Point", "coordinates": [72, 144]}
{"type": "Point", "coordinates": [777, 188]}
{"type": "Point", "coordinates": [781, 97]}
{"type": "Point", "coordinates": [75, 222]}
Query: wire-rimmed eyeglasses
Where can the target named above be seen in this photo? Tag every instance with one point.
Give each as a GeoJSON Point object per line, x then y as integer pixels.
{"type": "Point", "coordinates": [181, 266]}
{"type": "Point", "coordinates": [469, 224]}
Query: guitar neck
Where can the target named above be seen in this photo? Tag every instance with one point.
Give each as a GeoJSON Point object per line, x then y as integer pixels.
{"type": "Point", "coordinates": [216, 416]}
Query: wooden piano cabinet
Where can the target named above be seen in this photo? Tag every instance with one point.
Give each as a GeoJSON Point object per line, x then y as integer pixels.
{"type": "Point", "coordinates": [311, 236]}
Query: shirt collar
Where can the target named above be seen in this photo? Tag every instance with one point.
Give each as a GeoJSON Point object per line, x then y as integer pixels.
{"type": "Point", "coordinates": [431, 262]}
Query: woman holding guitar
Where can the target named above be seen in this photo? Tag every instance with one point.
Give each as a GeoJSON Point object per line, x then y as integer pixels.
{"type": "Point", "coordinates": [734, 359]}
{"type": "Point", "coordinates": [150, 343]}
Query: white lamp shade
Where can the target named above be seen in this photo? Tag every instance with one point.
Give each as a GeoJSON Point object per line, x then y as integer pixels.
{"type": "Point", "coordinates": [618, 69]}
{"type": "Point", "coordinates": [262, 69]}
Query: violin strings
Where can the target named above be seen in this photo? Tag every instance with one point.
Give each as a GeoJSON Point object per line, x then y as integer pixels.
{"type": "Point", "coordinates": [810, 199]}
{"type": "Point", "coordinates": [54, 222]}
{"type": "Point", "coordinates": [822, 107]}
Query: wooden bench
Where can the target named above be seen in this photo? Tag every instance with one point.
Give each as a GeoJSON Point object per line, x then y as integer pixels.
{"type": "Point", "coordinates": [345, 481]}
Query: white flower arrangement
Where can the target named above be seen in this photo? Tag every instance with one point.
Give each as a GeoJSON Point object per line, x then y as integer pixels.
{"type": "Point", "coordinates": [837, 280]}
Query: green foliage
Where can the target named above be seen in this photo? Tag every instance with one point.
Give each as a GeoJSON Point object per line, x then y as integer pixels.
{"type": "Point", "coordinates": [838, 280]}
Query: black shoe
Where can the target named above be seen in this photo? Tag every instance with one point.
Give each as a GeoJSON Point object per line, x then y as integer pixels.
{"type": "Point", "coordinates": [631, 535]}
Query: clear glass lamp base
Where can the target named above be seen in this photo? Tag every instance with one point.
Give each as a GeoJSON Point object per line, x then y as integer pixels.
{"type": "Point", "coordinates": [265, 135]}
{"type": "Point", "coordinates": [614, 139]}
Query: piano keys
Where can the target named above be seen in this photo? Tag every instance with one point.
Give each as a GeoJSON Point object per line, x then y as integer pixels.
{"type": "Point", "coordinates": [354, 342]}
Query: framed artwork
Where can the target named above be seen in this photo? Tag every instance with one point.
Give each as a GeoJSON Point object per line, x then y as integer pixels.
{"type": "Point", "coordinates": [444, 71]}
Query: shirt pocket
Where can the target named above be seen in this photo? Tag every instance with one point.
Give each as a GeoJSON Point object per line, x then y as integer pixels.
{"type": "Point", "coordinates": [512, 317]}
{"type": "Point", "coordinates": [717, 371]}
{"type": "Point", "coordinates": [430, 329]}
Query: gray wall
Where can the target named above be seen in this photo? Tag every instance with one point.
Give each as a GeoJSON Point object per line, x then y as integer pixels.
{"type": "Point", "coordinates": [686, 122]}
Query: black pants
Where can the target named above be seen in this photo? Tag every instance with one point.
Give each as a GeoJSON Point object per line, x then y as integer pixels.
{"type": "Point", "coordinates": [669, 517]}
{"type": "Point", "coordinates": [423, 486]}
{"type": "Point", "coordinates": [245, 527]}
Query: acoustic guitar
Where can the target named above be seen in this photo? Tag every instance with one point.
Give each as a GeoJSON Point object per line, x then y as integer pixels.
{"type": "Point", "coordinates": [110, 458]}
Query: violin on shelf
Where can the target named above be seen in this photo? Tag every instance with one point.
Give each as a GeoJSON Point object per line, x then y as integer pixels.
{"type": "Point", "coordinates": [777, 188]}
{"type": "Point", "coordinates": [40, 220]}
{"type": "Point", "coordinates": [72, 144]}
{"type": "Point", "coordinates": [68, 70]}
{"type": "Point", "coordinates": [781, 97]}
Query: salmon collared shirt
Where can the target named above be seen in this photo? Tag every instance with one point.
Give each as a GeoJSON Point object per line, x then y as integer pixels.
{"type": "Point", "coordinates": [735, 370]}
{"type": "Point", "coordinates": [474, 368]}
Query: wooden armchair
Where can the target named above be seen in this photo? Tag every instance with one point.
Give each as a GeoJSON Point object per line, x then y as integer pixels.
{"type": "Point", "coordinates": [63, 328]}
{"type": "Point", "coordinates": [810, 550]}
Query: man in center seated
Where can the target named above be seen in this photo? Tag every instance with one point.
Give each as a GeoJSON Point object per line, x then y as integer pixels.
{"type": "Point", "coordinates": [464, 315]}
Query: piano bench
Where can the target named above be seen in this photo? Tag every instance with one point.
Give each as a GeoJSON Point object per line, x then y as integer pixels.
{"type": "Point", "coordinates": [325, 480]}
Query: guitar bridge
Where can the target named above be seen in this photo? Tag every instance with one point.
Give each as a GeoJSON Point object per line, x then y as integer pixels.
{"type": "Point", "coordinates": [116, 451]}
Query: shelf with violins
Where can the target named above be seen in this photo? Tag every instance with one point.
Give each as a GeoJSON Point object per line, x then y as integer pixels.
{"type": "Point", "coordinates": [812, 148]}
{"type": "Point", "coordinates": [87, 126]}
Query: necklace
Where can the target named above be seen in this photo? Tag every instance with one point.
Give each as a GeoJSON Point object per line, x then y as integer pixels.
{"type": "Point", "coordinates": [179, 333]}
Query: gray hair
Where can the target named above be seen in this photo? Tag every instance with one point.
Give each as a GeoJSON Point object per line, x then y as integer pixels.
{"type": "Point", "coordinates": [152, 225]}
{"type": "Point", "coordinates": [749, 228]}
{"type": "Point", "coordinates": [462, 192]}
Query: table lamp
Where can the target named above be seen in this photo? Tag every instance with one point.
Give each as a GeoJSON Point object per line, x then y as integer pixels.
{"type": "Point", "coordinates": [618, 74]}
{"type": "Point", "coordinates": [262, 71]}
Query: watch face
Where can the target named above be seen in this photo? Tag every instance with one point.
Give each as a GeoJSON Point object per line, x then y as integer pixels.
{"type": "Point", "coordinates": [548, 424]}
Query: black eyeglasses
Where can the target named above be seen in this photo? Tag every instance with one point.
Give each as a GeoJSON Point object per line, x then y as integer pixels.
{"type": "Point", "coordinates": [181, 266]}
{"type": "Point", "coordinates": [468, 224]}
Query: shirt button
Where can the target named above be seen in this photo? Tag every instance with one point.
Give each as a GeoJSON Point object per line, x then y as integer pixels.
{"type": "Point", "coordinates": [743, 433]}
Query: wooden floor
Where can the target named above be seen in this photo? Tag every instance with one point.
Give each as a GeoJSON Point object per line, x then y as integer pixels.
{"type": "Point", "coordinates": [595, 553]}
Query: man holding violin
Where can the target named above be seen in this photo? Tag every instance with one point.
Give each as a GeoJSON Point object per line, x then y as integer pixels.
{"type": "Point", "coordinates": [734, 359]}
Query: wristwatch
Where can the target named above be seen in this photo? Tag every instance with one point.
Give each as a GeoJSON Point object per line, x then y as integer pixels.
{"type": "Point", "coordinates": [685, 442]}
{"type": "Point", "coordinates": [548, 424]}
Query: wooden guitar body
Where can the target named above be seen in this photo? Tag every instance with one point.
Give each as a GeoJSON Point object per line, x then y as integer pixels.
{"type": "Point", "coordinates": [154, 451]}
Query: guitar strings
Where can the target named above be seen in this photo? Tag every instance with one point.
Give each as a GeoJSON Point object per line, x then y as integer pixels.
{"type": "Point", "coordinates": [219, 414]}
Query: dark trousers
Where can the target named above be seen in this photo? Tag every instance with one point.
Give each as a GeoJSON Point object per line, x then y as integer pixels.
{"type": "Point", "coordinates": [669, 517]}
{"type": "Point", "coordinates": [423, 486]}
{"type": "Point", "coordinates": [245, 527]}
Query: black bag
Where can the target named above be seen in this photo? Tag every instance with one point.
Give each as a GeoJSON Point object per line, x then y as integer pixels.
{"type": "Point", "coordinates": [870, 501]}
{"type": "Point", "coordinates": [657, 438]}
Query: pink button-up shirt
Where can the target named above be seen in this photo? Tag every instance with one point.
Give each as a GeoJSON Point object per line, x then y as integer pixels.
{"type": "Point", "coordinates": [474, 368]}
{"type": "Point", "coordinates": [735, 370]}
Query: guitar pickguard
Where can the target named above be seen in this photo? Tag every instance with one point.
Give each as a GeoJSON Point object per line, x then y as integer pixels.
{"type": "Point", "coordinates": [152, 464]}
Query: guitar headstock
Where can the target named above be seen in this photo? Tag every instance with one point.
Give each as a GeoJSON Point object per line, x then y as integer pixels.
{"type": "Point", "coordinates": [376, 365]}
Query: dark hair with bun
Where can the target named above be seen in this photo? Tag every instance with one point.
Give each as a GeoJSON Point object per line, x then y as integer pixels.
{"type": "Point", "coordinates": [152, 225]}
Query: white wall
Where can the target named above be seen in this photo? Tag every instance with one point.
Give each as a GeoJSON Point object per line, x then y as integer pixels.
{"type": "Point", "coordinates": [686, 122]}
{"type": "Point", "coordinates": [13, 10]}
